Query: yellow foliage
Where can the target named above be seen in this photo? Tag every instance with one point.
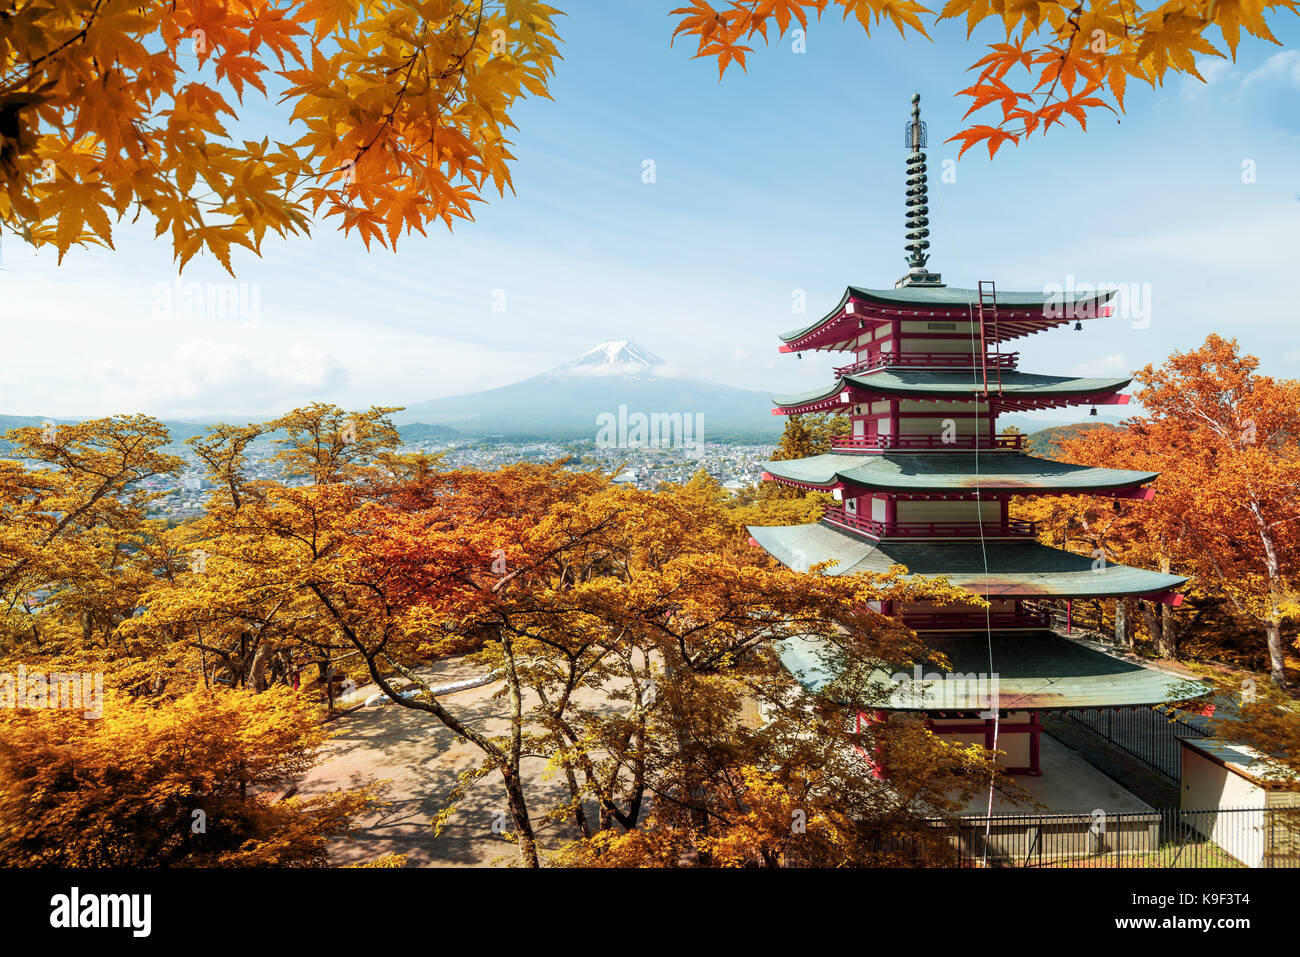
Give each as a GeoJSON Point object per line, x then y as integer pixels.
{"type": "Point", "coordinates": [186, 782]}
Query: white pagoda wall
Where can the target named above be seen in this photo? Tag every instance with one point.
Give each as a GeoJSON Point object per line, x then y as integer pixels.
{"type": "Point", "coordinates": [954, 346]}
{"type": "Point", "coordinates": [935, 425]}
{"type": "Point", "coordinates": [1015, 744]}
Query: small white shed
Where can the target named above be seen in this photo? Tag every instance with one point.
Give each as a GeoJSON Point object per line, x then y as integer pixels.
{"type": "Point", "coordinates": [1242, 795]}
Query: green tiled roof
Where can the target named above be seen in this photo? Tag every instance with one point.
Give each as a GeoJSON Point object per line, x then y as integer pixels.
{"type": "Point", "coordinates": [1035, 671]}
{"type": "Point", "coordinates": [931, 383]}
{"type": "Point", "coordinates": [945, 297]}
{"type": "Point", "coordinates": [954, 472]}
{"type": "Point", "coordinates": [1015, 569]}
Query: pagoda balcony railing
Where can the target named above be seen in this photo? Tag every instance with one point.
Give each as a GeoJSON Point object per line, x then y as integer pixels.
{"type": "Point", "coordinates": [974, 619]}
{"type": "Point", "coordinates": [935, 443]}
{"type": "Point", "coordinates": [1012, 528]}
{"type": "Point", "coordinates": [939, 360]}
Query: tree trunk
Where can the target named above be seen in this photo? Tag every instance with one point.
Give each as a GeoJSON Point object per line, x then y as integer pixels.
{"type": "Point", "coordinates": [519, 814]}
{"type": "Point", "coordinates": [579, 812]}
{"type": "Point", "coordinates": [257, 673]}
{"type": "Point", "coordinates": [1276, 658]}
{"type": "Point", "coordinates": [1272, 567]}
{"type": "Point", "coordinates": [1168, 627]}
{"type": "Point", "coordinates": [1168, 633]}
{"type": "Point", "coordinates": [327, 675]}
{"type": "Point", "coordinates": [1121, 623]}
{"type": "Point", "coordinates": [510, 769]}
{"type": "Point", "coordinates": [1149, 617]}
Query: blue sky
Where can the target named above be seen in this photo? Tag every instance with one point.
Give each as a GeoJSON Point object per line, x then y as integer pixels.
{"type": "Point", "coordinates": [783, 179]}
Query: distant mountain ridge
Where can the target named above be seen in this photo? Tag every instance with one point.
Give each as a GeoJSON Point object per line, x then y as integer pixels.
{"type": "Point", "coordinates": [565, 402]}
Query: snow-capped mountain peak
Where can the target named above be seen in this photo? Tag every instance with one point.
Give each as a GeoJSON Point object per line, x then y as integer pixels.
{"type": "Point", "coordinates": [618, 357]}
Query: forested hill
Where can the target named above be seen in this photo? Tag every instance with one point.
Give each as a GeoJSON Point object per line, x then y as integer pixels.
{"type": "Point", "coordinates": [1044, 442]}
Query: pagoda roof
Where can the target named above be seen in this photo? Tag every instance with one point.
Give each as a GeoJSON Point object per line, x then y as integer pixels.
{"type": "Point", "coordinates": [1035, 671]}
{"type": "Point", "coordinates": [953, 472]}
{"type": "Point", "coordinates": [947, 298]}
{"type": "Point", "coordinates": [1024, 569]}
{"type": "Point", "coordinates": [936, 383]}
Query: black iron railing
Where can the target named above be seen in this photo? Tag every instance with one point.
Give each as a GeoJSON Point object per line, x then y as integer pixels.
{"type": "Point", "coordinates": [1168, 837]}
{"type": "Point", "coordinates": [1148, 734]}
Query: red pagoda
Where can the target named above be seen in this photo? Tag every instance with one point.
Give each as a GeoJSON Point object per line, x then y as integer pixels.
{"type": "Point", "coordinates": [924, 480]}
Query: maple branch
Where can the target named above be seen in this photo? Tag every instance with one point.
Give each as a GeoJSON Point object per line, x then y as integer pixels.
{"type": "Point", "coordinates": [75, 38]}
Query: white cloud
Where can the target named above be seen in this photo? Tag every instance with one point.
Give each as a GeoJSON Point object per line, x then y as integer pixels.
{"type": "Point", "coordinates": [1213, 69]}
{"type": "Point", "coordinates": [1284, 66]}
{"type": "Point", "coordinates": [206, 377]}
{"type": "Point", "coordinates": [1112, 365]}
{"type": "Point", "coordinates": [1258, 238]}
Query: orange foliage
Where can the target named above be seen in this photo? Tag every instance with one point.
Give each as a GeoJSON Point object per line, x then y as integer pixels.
{"type": "Point", "coordinates": [401, 113]}
{"type": "Point", "coordinates": [1069, 58]}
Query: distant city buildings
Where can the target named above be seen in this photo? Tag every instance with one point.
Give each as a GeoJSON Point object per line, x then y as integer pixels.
{"type": "Point", "coordinates": [733, 466]}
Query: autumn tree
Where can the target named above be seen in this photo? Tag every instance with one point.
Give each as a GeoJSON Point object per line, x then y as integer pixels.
{"type": "Point", "coordinates": [809, 434]}
{"type": "Point", "coordinates": [240, 598]}
{"type": "Point", "coordinates": [191, 781]}
{"type": "Point", "coordinates": [634, 633]}
{"type": "Point", "coordinates": [394, 116]}
{"type": "Point", "coordinates": [223, 451]}
{"type": "Point", "coordinates": [76, 546]}
{"type": "Point", "coordinates": [329, 445]}
{"type": "Point", "coordinates": [804, 435]}
{"type": "Point", "coordinates": [80, 560]}
{"type": "Point", "coordinates": [1227, 503]}
{"type": "Point", "coordinates": [628, 639]}
{"type": "Point", "coordinates": [1061, 58]}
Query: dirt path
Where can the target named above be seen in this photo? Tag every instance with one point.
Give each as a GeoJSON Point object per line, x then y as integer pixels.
{"type": "Point", "coordinates": [418, 760]}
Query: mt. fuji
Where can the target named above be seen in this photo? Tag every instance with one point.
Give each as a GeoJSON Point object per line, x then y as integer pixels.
{"type": "Point", "coordinates": [620, 358]}
{"type": "Point", "coordinates": [564, 402]}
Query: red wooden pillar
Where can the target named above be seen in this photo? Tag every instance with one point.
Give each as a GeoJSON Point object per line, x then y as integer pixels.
{"type": "Point", "coordinates": [873, 760]}
{"type": "Point", "coordinates": [1069, 615]}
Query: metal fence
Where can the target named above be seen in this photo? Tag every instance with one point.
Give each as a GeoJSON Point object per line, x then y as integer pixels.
{"type": "Point", "coordinates": [1148, 734]}
{"type": "Point", "coordinates": [1169, 837]}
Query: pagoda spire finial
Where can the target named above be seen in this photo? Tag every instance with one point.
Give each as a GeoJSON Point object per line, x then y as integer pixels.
{"type": "Point", "coordinates": [918, 209]}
